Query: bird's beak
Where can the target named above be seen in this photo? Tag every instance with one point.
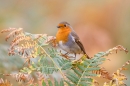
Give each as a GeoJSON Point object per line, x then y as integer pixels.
{"type": "Point", "coordinates": [58, 26]}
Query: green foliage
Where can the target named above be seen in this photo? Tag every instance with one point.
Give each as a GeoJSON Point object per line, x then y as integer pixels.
{"type": "Point", "coordinates": [80, 76]}
{"type": "Point", "coordinates": [43, 65]}
{"type": "Point", "coordinates": [45, 60]}
{"type": "Point", "coordinates": [64, 64]}
{"type": "Point", "coordinates": [53, 52]}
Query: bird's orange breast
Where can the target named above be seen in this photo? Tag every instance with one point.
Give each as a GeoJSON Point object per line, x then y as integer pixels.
{"type": "Point", "coordinates": [62, 35]}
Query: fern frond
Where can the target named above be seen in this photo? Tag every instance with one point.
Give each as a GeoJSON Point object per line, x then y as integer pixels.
{"type": "Point", "coordinates": [52, 83]}
{"type": "Point", "coordinates": [64, 64]}
{"type": "Point", "coordinates": [83, 72]}
{"type": "Point", "coordinates": [21, 77]}
{"type": "Point", "coordinates": [47, 66]}
{"type": "Point", "coordinates": [28, 45]}
{"type": "Point", "coordinates": [53, 52]}
{"type": "Point", "coordinates": [4, 82]}
{"type": "Point", "coordinates": [69, 83]}
{"type": "Point", "coordinates": [118, 77]}
{"type": "Point", "coordinates": [123, 66]}
{"type": "Point", "coordinates": [103, 73]}
{"type": "Point", "coordinates": [44, 66]}
{"type": "Point", "coordinates": [39, 58]}
{"type": "Point", "coordinates": [88, 68]}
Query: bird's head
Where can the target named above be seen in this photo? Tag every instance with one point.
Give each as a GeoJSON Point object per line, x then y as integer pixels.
{"type": "Point", "coordinates": [63, 25]}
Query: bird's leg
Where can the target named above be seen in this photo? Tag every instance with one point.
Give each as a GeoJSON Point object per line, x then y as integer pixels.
{"type": "Point", "coordinates": [66, 53]}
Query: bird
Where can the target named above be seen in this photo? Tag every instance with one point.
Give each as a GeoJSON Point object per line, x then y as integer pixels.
{"type": "Point", "coordinates": [68, 40]}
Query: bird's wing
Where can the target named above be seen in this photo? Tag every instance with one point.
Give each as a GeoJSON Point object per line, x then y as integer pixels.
{"type": "Point", "coordinates": [74, 35]}
{"type": "Point", "coordinates": [80, 45]}
{"type": "Point", "coordinates": [76, 38]}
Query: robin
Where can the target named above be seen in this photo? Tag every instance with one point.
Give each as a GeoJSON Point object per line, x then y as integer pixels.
{"type": "Point", "coordinates": [68, 40]}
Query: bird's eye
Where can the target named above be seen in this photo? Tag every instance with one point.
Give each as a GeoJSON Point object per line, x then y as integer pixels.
{"type": "Point", "coordinates": [65, 25]}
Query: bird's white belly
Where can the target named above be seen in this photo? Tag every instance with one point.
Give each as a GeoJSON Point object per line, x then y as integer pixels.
{"type": "Point", "coordinates": [70, 49]}
{"type": "Point", "coordinates": [64, 47]}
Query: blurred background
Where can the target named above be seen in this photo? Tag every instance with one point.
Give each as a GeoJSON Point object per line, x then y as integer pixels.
{"type": "Point", "coordinates": [100, 24]}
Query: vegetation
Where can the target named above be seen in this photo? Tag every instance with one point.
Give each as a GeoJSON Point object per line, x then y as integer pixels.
{"type": "Point", "coordinates": [42, 58]}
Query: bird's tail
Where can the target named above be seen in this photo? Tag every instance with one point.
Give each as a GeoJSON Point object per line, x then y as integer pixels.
{"type": "Point", "coordinates": [86, 55]}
